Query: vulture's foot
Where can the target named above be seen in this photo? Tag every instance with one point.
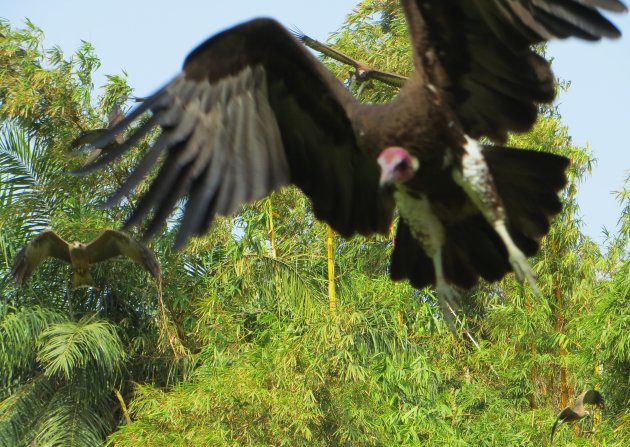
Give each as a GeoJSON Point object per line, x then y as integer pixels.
{"type": "Point", "coordinates": [517, 258]}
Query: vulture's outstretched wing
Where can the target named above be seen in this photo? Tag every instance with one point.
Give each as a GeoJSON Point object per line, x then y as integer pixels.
{"type": "Point", "coordinates": [493, 78]}
{"type": "Point", "coordinates": [252, 111]}
{"type": "Point", "coordinates": [111, 243]}
{"type": "Point", "coordinates": [364, 71]}
{"type": "Point", "coordinates": [47, 244]}
{"type": "Point", "coordinates": [326, 50]}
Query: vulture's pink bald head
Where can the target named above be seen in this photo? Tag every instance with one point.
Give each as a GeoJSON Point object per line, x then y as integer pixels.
{"type": "Point", "coordinates": [397, 165]}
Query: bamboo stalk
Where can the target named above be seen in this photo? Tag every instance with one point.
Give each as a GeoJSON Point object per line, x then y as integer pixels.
{"type": "Point", "coordinates": [332, 295]}
{"type": "Point", "coordinates": [272, 238]}
{"type": "Point", "coordinates": [272, 232]}
{"type": "Point", "coordinates": [123, 406]}
{"type": "Point", "coordinates": [533, 374]}
{"type": "Point", "coordinates": [564, 385]}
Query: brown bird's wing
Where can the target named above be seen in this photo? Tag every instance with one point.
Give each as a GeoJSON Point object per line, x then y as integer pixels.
{"type": "Point", "coordinates": [47, 244]}
{"type": "Point", "coordinates": [372, 73]}
{"type": "Point", "coordinates": [253, 111]}
{"type": "Point", "coordinates": [492, 78]}
{"type": "Point", "coordinates": [566, 415]}
{"type": "Point", "coordinates": [592, 397]}
{"type": "Point", "coordinates": [112, 243]}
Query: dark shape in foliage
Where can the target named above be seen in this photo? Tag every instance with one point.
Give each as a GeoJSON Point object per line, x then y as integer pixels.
{"type": "Point", "coordinates": [253, 111]}
{"type": "Point", "coordinates": [116, 115]}
{"type": "Point", "coordinates": [108, 244]}
{"type": "Point", "coordinates": [576, 411]}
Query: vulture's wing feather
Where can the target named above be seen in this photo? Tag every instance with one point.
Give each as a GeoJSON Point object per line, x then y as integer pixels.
{"type": "Point", "coordinates": [111, 243]}
{"type": "Point", "coordinates": [492, 77]}
{"type": "Point", "coordinates": [385, 77]}
{"type": "Point", "coordinates": [326, 50]}
{"type": "Point", "coordinates": [47, 244]}
{"type": "Point", "coordinates": [88, 137]}
{"type": "Point", "coordinates": [253, 111]}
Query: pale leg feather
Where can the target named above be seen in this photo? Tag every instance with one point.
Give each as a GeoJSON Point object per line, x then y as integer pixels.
{"type": "Point", "coordinates": [477, 181]}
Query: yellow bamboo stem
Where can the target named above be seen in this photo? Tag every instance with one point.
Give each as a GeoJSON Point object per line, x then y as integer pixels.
{"type": "Point", "coordinates": [123, 406]}
{"type": "Point", "coordinates": [597, 416]}
{"type": "Point", "coordinates": [272, 238]}
{"type": "Point", "coordinates": [272, 232]}
{"type": "Point", "coordinates": [332, 295]}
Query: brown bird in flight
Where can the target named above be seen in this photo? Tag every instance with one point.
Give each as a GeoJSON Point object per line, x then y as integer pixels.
{"type": "Point", "coordinates": [575, 411]}
{"type": "Point", "coordinates": [108, 244]}
{"type": "Point", "coordinates": [253, 110]}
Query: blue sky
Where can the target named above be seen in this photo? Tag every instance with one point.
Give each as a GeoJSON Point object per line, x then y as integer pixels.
{"type": "Point", "coordinates": [149, 40]}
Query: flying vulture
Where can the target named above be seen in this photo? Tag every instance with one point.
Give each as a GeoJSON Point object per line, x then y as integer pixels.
{"type": "Point", "coordinates": [576, 411]}
{"type": "Point", "coordinates": [362, 72]}
{"type": "Point", "coordinates": [115, 116]}
{"type": "Point", "coordinates": [253, 110]}
{"type": "Point", "coordinates": [108, 244]}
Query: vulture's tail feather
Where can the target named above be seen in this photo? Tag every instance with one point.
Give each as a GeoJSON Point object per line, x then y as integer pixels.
{"type": "Point", "coordinates": [528, 183]}
{"type": "Point", "coordinates": [409, 260]}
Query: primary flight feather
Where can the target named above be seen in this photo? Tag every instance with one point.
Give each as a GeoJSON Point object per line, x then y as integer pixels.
{"type": "Point", "coordinates": [253, 110]}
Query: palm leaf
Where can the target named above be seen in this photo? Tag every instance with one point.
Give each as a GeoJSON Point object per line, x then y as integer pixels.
{"type": "Point", "coordinates": [66, 347]}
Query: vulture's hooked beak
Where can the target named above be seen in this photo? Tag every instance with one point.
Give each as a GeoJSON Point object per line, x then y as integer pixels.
{"type": "Point", "coordinates": [397, 166]}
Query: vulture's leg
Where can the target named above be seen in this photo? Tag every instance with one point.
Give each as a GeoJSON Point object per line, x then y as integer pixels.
{"type": "Point", "coordinates": [448, 297]}
{"type": "Point", "coordinates": [477, 181]}
{"type": "Point", "coordinates": [428, 230]}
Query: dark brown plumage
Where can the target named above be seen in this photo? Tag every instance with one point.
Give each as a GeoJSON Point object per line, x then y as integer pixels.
{"type": "Point", "coordinates": [108, 244]}
{"type": "Point", "coordinates": [362, 72]}
{"type": "Point", "coordinates": [575, 411]}
{"type": "Point", "coordinates": [253, 111]}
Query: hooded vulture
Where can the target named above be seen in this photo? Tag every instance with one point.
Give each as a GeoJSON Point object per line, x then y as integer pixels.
{"type": "Point", "coordinates": [576, 411]}
{"type": "Point", "coordinates": [108, 244]}
{"type": "Point", "coordinates": [253, 111]}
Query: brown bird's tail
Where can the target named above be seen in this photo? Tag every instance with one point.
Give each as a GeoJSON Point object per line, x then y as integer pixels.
{"type": "Point", "coordinates": [553, 430]}
{"type": "Point", "coordinates": [82, 280]}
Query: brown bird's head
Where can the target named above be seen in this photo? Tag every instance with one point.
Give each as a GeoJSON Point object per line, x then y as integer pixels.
{"type": "Point", "coordinates": [397, 166]}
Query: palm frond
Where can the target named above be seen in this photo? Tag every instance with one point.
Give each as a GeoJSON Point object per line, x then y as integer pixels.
{"type": "Point", "coordinates": [19, 331]}
{"type": "Point", "coordinates": [66, 347]}
{"type": "Point", "coordinates": [19, 411]}
{"type": "Point", "coordinates": [25, 169]}
{"type": "Point", "coordinates": [75, 423]}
